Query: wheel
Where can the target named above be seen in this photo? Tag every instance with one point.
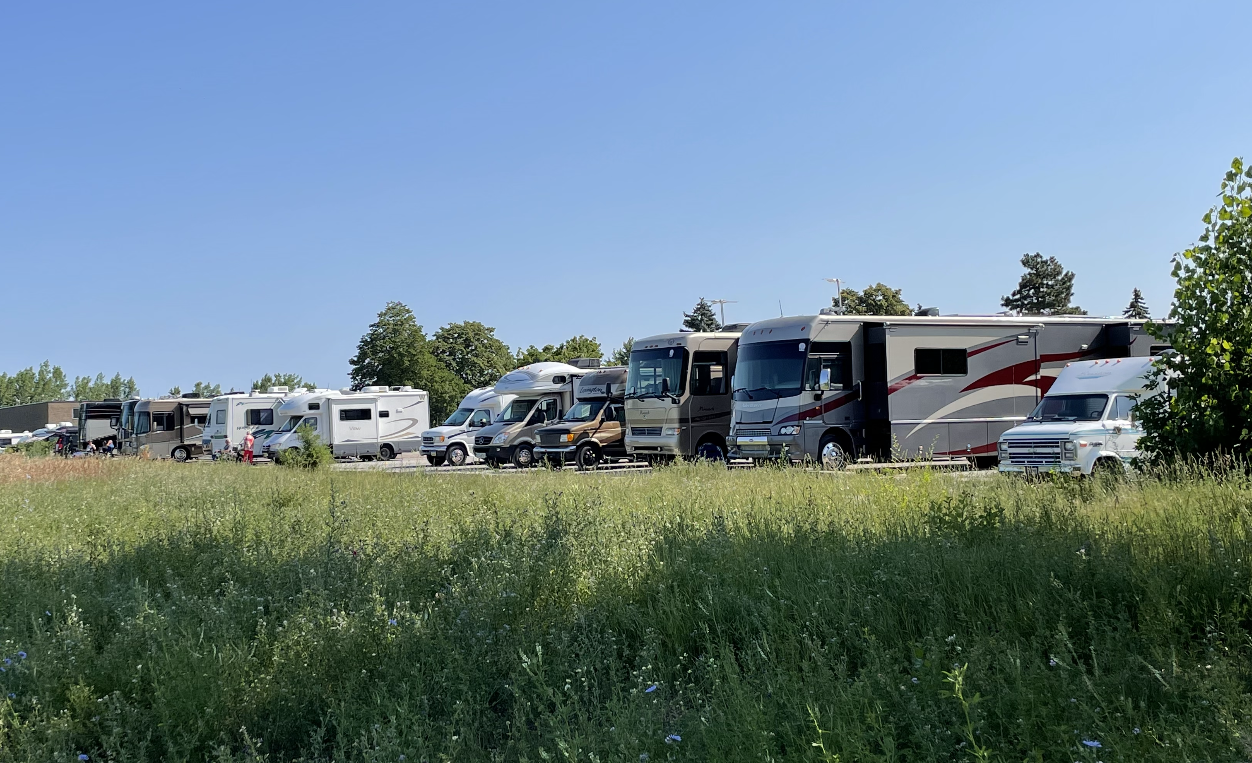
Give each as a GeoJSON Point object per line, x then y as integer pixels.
{"type": "Point", "coordinates": [523, 457]}
{"type": "Point", "coordinates": [386, 453]}
{"type": "Point", "coordinates": [832, 453]}
{"type": "Point", "coordinates": [180, 454]}
{"type": "Point", "coordinates": [711, 451]}
{"type": "Point", "coordinates": [435, 460]}
{"type": "Point", "coordinates": [456, 456]}
{"type": "Point", "coordinates": [587, 457]}
{"type": "Point", "coordinates": [1108, 469]}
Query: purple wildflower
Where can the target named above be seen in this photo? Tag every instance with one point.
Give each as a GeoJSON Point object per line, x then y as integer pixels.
{"type": "Point", "coordinates": [650, 689]}
{"type": "Point", "coordinates": [1092, 743]}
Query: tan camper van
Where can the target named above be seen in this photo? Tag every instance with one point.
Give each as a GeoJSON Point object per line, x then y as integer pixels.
{"type": "Point", "coordinates": [168, 428]}
{"type": "Point", "coordinates": [592, 431]}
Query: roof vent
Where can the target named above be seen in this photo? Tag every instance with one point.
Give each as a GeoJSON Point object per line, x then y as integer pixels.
{"type": "Point", "coordinates": [927, 312]}
{"type": "Point", "coordinates": [281, 390]}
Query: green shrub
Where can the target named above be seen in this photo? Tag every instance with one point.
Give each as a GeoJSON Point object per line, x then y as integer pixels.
{"type": "Point", "coordinates": [311, 454]}
{"type": "Point", "coordinates": [33, 448]}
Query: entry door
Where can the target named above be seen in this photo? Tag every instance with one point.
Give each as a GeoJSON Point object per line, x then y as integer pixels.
{"type": "Point", "coordinates": [610, 430]}
{"type": "Point", "coordinates": [832, 380]}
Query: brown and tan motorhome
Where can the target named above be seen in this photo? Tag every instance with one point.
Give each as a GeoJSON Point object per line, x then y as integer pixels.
{"type": "Point", "coordinates": [592, 431]}
{"type": "Point", "coordinates": [168, 428]}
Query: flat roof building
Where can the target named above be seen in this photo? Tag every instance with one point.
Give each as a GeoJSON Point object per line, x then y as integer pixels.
{"type": "Point", "coordinates": [32, 416]}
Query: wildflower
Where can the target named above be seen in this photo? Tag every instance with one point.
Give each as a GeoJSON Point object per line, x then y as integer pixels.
{"type": "Point", "coordinates": [673, 738]}
{"type": "Point", "coordinates": [84, 756]}
{"type": "Point", "coordinates": [650, 689]}
{"type": "Point", "coordinates": [1093, 744]}
{"type": "Point", "coordinates": [392, 621]}
{"type": "Point", "coordinates": [22, 655]}
{"type": "Point", "coordinates": [12, 695]}
{"type": "Point", "coordinates": [1052, 662]}
{"type": "Point", "coordinates": [915, 679]}
{"type": "Point", "coordinates": [7, 661]}
{"type": "Point", "coordinates": [48, 613]}
{"type": "Point", "coordinates": [402, 756]}
{"type": "Point", "coordinates": [1136, 729]}
{"type": "Point", "coordinates": [643, 757]}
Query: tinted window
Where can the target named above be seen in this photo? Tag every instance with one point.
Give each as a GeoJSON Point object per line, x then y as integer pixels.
{"type": "Point", "coordinates": [708, 373]}
{"type": "Point", "coordinates": [315, 406]}
{"type": "Point", "coordinates": [1123, 408]}
{"type": "Point", "coordinates": [355, 414]}
{"type": "Point", "coordinates": [940, 362]}
{"type": "Point", "coordinates": [384, 414]}
{"type": "Point", "coordinates": [143, 423]}
{"type": "Point", "coordinates": [1070, 408]}
{"type": "Point", "coordinates": [221, 416]}
{"type": "Point", "coordinates": [834, 367]}
{"type": "Point", "coordinates": [198, 420]}
{"type": "Point", "coordinates": [584, 410]}
{"type": "Point", "coordinates": [547, 411]}
{"type": "Point", "coordinates": [516, 411]}
{"type": "Point", "coordinates": [769, 370]}
{"type": "Point", "coordinates": [458, 417]}
{"type": "Point", "coordinates": [650, 370]}
{"type": "Point", "coordinates": [163, 422]}
{"type": "Point", "coordinates": [263, 417]}
{"type": "Point", "coordinates": [480, 418]}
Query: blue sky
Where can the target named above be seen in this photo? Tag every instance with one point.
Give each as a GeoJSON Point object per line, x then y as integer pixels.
{"type": "Point", "coordinates": [212, 192]}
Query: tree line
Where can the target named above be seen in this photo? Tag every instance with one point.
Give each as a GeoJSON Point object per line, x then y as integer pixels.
{"type": "Point", "coordinates": [49, 382]}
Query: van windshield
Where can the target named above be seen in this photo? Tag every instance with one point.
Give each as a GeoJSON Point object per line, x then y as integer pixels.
{"type": "Point", "coordinates": [584, 410]}
{"type": "Point", "coordinates": [291, 424]}
{"type": "Point", "coordinates": [1070, 408]}
{"type": "Point", "coordinates": [516, 412]}
{"type": "Point", "coordinates": [769, 370]}
{"type": "Point", "coordinates": [458, 417]}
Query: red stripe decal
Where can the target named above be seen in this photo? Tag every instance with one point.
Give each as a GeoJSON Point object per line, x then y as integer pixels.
{"type": "Point", "coordinates": [896, 386]}
{"type": "Point", "coordinates": [975, 451]}
{"type": "Point", "coordinates": [822, 408]}
{"type": "Point", "coordinates": [972, 353]}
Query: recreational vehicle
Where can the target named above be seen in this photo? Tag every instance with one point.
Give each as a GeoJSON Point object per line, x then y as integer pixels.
{"type": "Point", "coordinates": [98, 421]}
{"type": "Point", "coordinates": [678, 394]}
{"type": "Point", "coordinates": [544, 391]}
{"type": "Point", "coordinates": [591, 431]}
{"type": "Point", "coordinates": [234, 414]}
{"type": "Point", "coordinates": [126, 421]}
{"type": "Point", "coordinates": [1085, 423]}
{"type": "Point", "coordinates": [830, 388]}
{"type": "Point", "coordinates": [453, 442]}
{"type": "Point", "coordinates": [170, 427]}
{"type": "Point", "coordinates": [9, 437]}
{"type": "Point", "coordinates": [375, 422]}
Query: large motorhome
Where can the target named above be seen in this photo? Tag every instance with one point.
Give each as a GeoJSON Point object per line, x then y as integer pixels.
{"type": "Point", "coordinates": [169, 427]}
{"type": "Point", "coordinates": [678, 394]}
{"type": "Point", "coordinates": [126, 422]}
{"type": "Point", "coordinates": [453, 442]}
{"type": "Point", "coordinates": [233, 415]}
{"type": "Point", "coordinates": [591, 431]}
{"type": "Point", "coordinates": [374, 422]}
{"type": "Point", "coordinates": [544, 391]}
{"type": "Point", "coordinates": [830, 388]}
{"type": "Point", "coordinates": [98, 422]}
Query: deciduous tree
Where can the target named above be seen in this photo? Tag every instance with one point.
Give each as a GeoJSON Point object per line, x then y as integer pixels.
{"type": "Point", "coordinates": [290, 381]}
{"type": "Point", "coordinates": [395, 352]}
{"type": "Point", "coordinates": [1209, 405]}
{"type": "Point", "coordinates": [574, 347]}
{"type": "Point", "coordinates": [879, 299]}
{"type": "Point", "coordinates": [472, 352]}
{"type": "Point", "coordinates": [34, 386]}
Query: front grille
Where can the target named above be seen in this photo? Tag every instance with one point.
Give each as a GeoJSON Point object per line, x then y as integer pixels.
{"type": "Point", "coordinates": [428, 441]}
{"type": "Point", "coordinates": [1033, 452]}
{"type": "Point", "coordinates": [751, 433]}
{"type": "Point", "coordinates": [645, 431]}
{"type": "Point", "coordinates": [553, 438]}
{"type": "Point", "coordinates": [482, 440]}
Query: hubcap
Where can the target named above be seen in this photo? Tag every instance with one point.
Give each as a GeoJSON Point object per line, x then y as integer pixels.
{"type": "Point", "coordinates": [832, 456]}
{"type": "Point", "coordinates": [456, 457]}
{"type": "Point", "coordinates": [524, 456]}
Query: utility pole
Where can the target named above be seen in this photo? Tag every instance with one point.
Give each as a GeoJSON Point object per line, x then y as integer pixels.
{"type": "Point", "coordinates": [838, 294]}
{"type": "Point", "coordinates": [721, 304]}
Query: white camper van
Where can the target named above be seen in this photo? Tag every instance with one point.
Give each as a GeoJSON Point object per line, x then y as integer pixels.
{"type": "Point", "coordinates": [544, 391]}
{"type": "Point", "coordinates": [234, 414]}
{"type": "Point", "coordinates": [375, 422]}
{"type": "Point", "coordinates": [9, 437]}
{"type": "Point", "coordinates": [453, 442]}
{"type": "Point", "coordinates": [1085, 423]}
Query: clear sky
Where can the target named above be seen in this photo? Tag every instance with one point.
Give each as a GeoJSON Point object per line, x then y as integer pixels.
{"type": "Point", "coordinates": [211, 191]}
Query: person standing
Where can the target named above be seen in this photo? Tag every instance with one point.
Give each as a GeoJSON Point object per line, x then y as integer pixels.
{"type": "Point", "coordinates": [248, 442]}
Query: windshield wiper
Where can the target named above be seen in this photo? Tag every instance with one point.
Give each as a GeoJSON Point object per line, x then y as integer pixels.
{"type": "Point", "coordinates": [749, 392]}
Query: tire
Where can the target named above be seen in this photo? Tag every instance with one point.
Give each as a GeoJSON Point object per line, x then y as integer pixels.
{"type": "Point", "coordinates": [181, 454]}
{"type": "Point", "coordinates": [1108, 469]}
{"type": "Point", "coordinates": [832, 454]}
{"type": "Point", "coordinates": [456, 455]}
{"type": "Point", "coordinates": [435, 460]}
{"type": "Point", "coordinates": [386, 453]}
{"type": "Point", "coordinates": [586, 458]}
{"type": "Point", "coordinates": [524, 457]}
{"type": "Point", "coordinates": [711, 451]}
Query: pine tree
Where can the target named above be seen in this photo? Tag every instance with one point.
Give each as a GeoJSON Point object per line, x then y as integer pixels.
{"type": "Point", "coordinates": [701, 318]}
{"type": "Point", "coordinates": [1046, 288]}
{"type": "Point", "coordinates": [621, 356]}
{"type": "Point", "coordinates": [1137, 309]}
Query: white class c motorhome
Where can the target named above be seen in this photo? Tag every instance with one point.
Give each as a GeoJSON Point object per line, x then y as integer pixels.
{"type": "Point", "coordinates": [375, 422]}
{"type": "Point", "coordinates": [543, 392]}
{"type": "Point", "coordinates": [678, 394]}
{"type": "Point", "coordinates": [234, 414]}
{"type": "Point", "coordinates": [9, 437]}
{"type": "Point", "coordinates": [1085, 423]}
{"type": "Point", "coordinates": [452, 443]}
{"type": "Point", "coordinates": [829, 387]}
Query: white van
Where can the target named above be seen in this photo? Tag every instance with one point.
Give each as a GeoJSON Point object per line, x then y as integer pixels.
{"type": "Point", "coordinates": [453, 442]}
{"type": "Point", "coordinates": [236, 413]}
{"type": "Point", "coordinates": [543, 392]}
{"type": "Point", "coordinates": [375, 422]}
{"type": "Point", "coordinates": [1085, 423]}
{"type": "Point", "coordinates": [9, 437]}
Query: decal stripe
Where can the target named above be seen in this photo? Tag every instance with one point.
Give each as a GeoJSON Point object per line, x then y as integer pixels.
{"type": "Point", "coordinates": [821, 409]}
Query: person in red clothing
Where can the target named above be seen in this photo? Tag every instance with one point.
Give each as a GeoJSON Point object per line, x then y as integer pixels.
{"type": "Point", "coordinates": [248, 440]}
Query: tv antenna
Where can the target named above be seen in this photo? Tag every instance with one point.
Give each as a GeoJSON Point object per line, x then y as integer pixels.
{"type": "Point", "coordinates": [839, 308]}
{"type": "Point", "coordinates": [721, 304]}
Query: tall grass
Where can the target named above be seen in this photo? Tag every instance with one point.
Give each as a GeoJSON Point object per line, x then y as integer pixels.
{"type": "Point", "coordinates": [219, 612]}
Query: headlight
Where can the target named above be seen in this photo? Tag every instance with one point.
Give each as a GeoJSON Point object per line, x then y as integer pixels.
{"type": "Point", "coordinates": [568, 437]}
{"type": "Point", "coordinates": [1002, 448]}
{"type": "Point", "coordinates": [1070, 449]}
{"type": "Point", "coordinates": [792, 429]}
{"type": "Point", "coordinates": [500, 438]}
{"type": "Point", "coordinates": [672, 431]}
{"type": "Point", "coordinates": [439, 438]}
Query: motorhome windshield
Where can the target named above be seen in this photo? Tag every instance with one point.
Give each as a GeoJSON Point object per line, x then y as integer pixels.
{"type": "Point", "coordinates": [458, 417]}
{"type": "Point", "coordinates": [651, 369]}
{"type": "Point", "coordinates": [1070, 408]}
{"type": "Point", "coordinates": [585, 410]}
{"type": "Point", "coordinates": [767, 370]}
{"type": "Point", "coordinates": [291, 424]}
{"type": "Point", "coordinates": [516, 412]}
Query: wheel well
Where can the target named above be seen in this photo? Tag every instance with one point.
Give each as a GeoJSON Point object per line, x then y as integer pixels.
{"type": "Point", "coordinates": [712, 437]}
{"type": "Point", "coordinates": [842, 437]}
{"type": "Point", "coordinates": [589, 443]}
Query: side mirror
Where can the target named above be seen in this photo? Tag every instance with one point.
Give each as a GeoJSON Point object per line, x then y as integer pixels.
{"type": "Point", "coordinates": [823, 379]}
{"type": "Point", "coordinates": [664, 385]}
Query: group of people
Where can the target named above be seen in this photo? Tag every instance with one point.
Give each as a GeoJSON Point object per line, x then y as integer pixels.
{"type": "Point", "coordinates": [245, 454]}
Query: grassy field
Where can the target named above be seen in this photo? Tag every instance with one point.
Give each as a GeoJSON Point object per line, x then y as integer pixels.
{"type": "Point", "coordinates": [215, 612]}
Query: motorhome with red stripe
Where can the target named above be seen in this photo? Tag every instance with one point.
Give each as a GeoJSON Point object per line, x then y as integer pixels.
{"type": "Point", "coordinates": [831, 388]}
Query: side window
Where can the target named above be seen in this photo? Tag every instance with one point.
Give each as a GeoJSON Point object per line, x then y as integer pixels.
{"type": "Point", "coordinates": [260, 417]}
{"type": "Point", "coordinates": [143, 424]}
{"type": "Point", "coordinates": [355, 414]}
{"type": "Point", "coordinates": [198, 421]}
{"type": "Point", "coordinates": [480, 418]}
{"type": "Point", "coordinates": [940, 362]}
{"type": "Point", "coordinates": [221, 416]}
{"type": "Point", "coordinates": [826, 373]}
{"type": "Point", "coordinates": [548, 408]}
{"type": "Point", "coordinates": [618, 413]}
{"type": "Point", "coordinates": [708, 373]}
{"type": "Point", "coordinates": [1123, 409]}
{"type": "Point", "coordinates": [315, 406]}
{"type": "Point", "coordinates": [162, 422]}
{"type": "Point", "coordinates": [384, 414]}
